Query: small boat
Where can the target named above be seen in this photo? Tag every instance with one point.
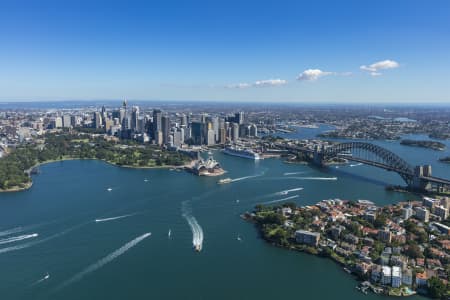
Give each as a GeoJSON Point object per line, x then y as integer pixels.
{"type": "Point", "coordinates": [224, 181]}
{"type": "Point", "coordinates": [198, 247]}
{"type": "Point", "coordinates": [237, 200]}
{"type": "Point", "coordinates": [145, 180]}
{"type": "Point", "coordinates": [239, 238]}
{"type": "Point", "coordinates": [169, 234]}
{"type": "Point", "coordinates": [109, 189]}
{"type": "Point", "coordinates": [47, 276]}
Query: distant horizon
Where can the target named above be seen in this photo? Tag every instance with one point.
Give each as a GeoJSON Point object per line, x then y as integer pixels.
{"type": "Point", "coordinates": [231, 102]}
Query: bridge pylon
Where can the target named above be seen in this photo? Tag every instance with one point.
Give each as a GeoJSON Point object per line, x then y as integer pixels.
{"type": "Point", "coordinates": [418, 182]}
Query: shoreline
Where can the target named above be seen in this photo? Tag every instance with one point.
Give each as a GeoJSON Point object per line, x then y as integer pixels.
{"type": "Point", "coordinates": [30, 184]}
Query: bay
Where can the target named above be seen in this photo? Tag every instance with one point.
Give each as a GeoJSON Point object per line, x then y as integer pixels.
{"type": "Point", "coordinates": [67, 197]}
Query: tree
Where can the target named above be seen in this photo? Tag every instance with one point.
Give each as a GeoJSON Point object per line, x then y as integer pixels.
{"type": "Point", "coordinates": [436, 288]}
{"type": "Point", "coordinates": [380, 221]}
{"type": "Point", "coordinates": [414, 251]}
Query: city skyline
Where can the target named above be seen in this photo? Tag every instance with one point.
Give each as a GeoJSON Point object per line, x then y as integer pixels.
{"type": "Point", "coordinates": [263, 52]}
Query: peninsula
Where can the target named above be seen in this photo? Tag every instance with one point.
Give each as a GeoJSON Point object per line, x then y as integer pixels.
{"type": "Point", "coordinates": [399, 249]}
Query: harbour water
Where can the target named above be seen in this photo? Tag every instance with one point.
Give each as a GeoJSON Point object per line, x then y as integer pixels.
{"type": "Point", "coordinates": [128, 254]}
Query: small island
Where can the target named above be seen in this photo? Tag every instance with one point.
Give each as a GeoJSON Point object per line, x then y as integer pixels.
{"type": "Point", "coordinates": [438, 146]}
{"type": "Point", "coordinates": [17, 166]}
{"type": "Point", "coordinates": [396, 250]}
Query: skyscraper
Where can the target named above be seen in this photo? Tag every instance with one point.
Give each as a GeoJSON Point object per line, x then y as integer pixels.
{"type": "Point", "coordinates": [97, 120]}
{"type": "Point", "coordinates": [239, 118]}
{"type": "Point", "coordinates": [66, 121]}
{"type": "Point", "coordinates": [165, 128]}
{"type": "Point", "coordinates": [197, 132]}
{"type": "Point", "coordinates": [134, 118]}
{"type": "Point", "coordinates": [235, 132]}
{"type": "Point", "coordinates": [157, 114]}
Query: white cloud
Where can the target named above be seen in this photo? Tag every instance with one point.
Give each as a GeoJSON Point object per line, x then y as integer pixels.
{"type": "Point", "coordinates": [259, 83]}
{"type": "Point", "coordinates": [242, 85]}
{"type": "Point", "coordinates": [374, 68]}
{"type": "Point", "coordinates": [270, 82]}
{"type": "Point", "coordinates": [312, 74]}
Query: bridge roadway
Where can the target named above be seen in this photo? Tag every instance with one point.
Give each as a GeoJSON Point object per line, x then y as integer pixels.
{"type": "Point", "coordinates": [431, 179]}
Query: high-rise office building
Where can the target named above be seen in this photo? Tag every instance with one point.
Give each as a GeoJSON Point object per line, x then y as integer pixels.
{"type": "Point", "coordinates": [165, 128]}
{"type": "Point", "coordinates": [211, 138]}
{"type": "Point", "coordinates": [58, 122]}
{"type": "Point", "coordinates": [235, 132]}
{"type": "Point", "coordinates": [97, 120]}
{"type": "Point", "coordinates": [239, 118]}
{"type": "Point", "coordinates": [183, 120]}
{"type": "Point", "coordinates": [253, 130]}
{"type": "Point", "coordinates": [66, 121]}
{"type": "Point", "coordinates": [197, 132]}
{"type": "Point", "coordinates": [134, 118]}
{"type": "Point", "coordinates": [157, 114]}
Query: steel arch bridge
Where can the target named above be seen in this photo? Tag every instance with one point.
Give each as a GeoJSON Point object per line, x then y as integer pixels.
{"type": "Point", "coordinates": [371, 154]}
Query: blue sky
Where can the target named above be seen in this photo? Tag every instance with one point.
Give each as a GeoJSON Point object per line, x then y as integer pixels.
{"type": "Point", "coordinates": [277, 51]}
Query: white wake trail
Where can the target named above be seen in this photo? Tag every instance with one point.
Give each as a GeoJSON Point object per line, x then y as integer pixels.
{"type": "Point", "coordinates": [12, 231]}
{"type": "Point", "coordinates": [18, 238]}
{"type": "Point", "coordinates": [356, 165]}
{"type": "Point", "coordinates": [47, 276]}
{"type": "Point", "coordinates": [197, 231]}
{"type": "Point", "coordinates": [29, 244]}
{"type": "Point", "coordinates": [285, 192]}
{"type": "Point", "coordinates": [313, 178]}
{"type": "Point", "coordinates": [280, 200]}
{"type": "Point", "coordinates": [107, 259]}
{"type": "Point", "coordinates": [248, 177]}
{"type": "Point", "coordinates": [293, 173]}
{"type": "Point", "coordinates": [113, 218]}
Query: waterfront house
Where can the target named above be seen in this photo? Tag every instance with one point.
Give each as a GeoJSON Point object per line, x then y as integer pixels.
{"type": "Point", "coordinates": [407, 277]}
{"type": "Point", "coordinates": [375, 275]}
{"type": "Point", "coordinates": [386, 275]}
{"type": "Point", "coordinates": [421, 279]}
{"type": "Point", "coordinates": [396, 277]}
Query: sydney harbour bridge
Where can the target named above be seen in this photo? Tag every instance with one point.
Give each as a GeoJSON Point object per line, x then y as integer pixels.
{"type": "Point", "coordinates": [416, 177]}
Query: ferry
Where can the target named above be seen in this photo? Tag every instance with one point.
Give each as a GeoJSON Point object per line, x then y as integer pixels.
{"type": "Point", "coordinates": [241, 152]}
{"type": "Point", "coordinates": [224, 181]}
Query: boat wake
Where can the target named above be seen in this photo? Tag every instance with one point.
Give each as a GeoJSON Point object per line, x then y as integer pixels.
{"type": "Point", "coordinates": [12, 231]}
{"type": "Point", "coordinates": [113, 218]}
{"type": "Point", "coordinates": [313, 178]}
{"type": "Point", "coordinates": [18, 238]}
{"type": "Point", "coordinates": [47, 276]}
{"type": "Point", "coordinates": [107, 259]}
{"type": "Point", "coordinates": [18, 229]}
{"type": "Point", "coordinates": [281, 200]}
{"type": "Point", "coordinates": [285, 192]}
{"type": "Point", "coordinates": [356, 165]}
{"type": "Point", "coordinates": [293, 173]}
{"type": "Point", "coordinates": [245, 177]}
{"type": "Point", "coordinates": [197, 231]}
{"type": "Point", "coordinates": [36, 242]}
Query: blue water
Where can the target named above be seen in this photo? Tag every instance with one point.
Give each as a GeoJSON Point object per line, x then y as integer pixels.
{"type": "Point", "coordinates": [67, 197]}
